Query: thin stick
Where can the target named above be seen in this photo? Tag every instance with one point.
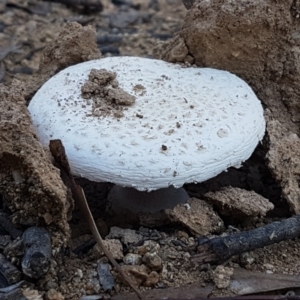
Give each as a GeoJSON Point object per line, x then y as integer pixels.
{"type": "Point", "coordinates": [221, 248]}
{"type": "Point", "coordinates": [58, 151]}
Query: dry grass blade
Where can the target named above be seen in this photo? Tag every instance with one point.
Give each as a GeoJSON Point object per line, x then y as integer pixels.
{"type": "Point", "coordinates": [58, 151]}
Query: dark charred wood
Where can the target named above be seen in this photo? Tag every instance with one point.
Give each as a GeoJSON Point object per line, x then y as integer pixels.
{"type": "Point", "coordinates": [85, 247]}
{"type": "Point", "coordinates": [15, 294]}
{"type": "Point", "coordinates": [12, 287]}
{"type": "Point", "coordinates": [3, 281]}
{"type": "Point", "coordinates": [9, 274]}
{"type": "Point", "coordinates": [37, 244]}
{"type": "Point", "coordinates": [5, 240]}
{"type": "Point", "coordinates": [219, 249]}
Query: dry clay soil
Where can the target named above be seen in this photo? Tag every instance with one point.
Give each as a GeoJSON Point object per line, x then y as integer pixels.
{"type": "Point", "coordinates": [256, 40]}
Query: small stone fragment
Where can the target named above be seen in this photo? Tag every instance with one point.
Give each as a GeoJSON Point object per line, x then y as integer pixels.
{"type": "Point", "coordinates": [132, 259]}
{"type": "Point", "coordinates": [152, 279]}
{"type": "Point", "coordinates": [138, 274]}
{"type": "Point", "coordinates": [197, 215]}
{"type": "Point", "coordinates": [169, 253]}
{"type": "Point", "coordinates": [221, 276]}
{"type": "Point", "coordinates": [152, 261]}
{"type": "Point", "coordinates": [33, 294]}
{"type": "Point", "coordinates": [105, 277]}
{"type": "Point", "coordinates": [151, 246]}
{"type": "Point", "coordinates": [141, 275]}
{"type": "Point", "coordinates": [239, 202]}
{"type": "Point", "coordinates": [127, 236]}
{"type": "Point", "coordinates": [148, 246]}
{"type": "Point", "coordinates": [124, 18]}
{"type": "Point", "coordinates": [182, 234]}
{"type": "Point", "coordinates": [54, 295]}
{"type": "Point", "coordinates": [113, 246]}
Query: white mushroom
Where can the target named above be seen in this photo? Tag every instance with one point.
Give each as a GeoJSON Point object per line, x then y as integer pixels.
{"type": "Point", "coordinates": [185, 125]}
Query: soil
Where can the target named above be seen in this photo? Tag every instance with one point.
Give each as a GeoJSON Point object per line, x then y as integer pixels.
{"type": "Point", "coordinates": [257, 40]}
{"type": "Point", "coordinates": [108, 98]}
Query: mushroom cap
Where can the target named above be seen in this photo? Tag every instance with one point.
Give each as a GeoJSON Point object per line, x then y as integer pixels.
{"type": "Point", "coordinates": [186, 125]}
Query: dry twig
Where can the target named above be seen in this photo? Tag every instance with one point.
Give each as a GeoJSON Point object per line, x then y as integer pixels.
{"type": "Point", "coordinates": [221, 248]}
{"type": "Point", "coordinates": [58, 151]}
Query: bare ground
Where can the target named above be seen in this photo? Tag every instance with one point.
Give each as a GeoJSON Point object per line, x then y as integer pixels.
{"type": "Point", "coordinates": [256, 40]}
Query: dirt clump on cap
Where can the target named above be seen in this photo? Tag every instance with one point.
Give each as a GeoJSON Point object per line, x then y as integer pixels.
{"type": "Point", "coordinates": [258, 41]}
{"type": "Point", "coordinates": [108, 97]}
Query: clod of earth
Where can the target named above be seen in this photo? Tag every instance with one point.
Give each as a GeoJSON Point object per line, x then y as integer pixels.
{"type": "Point", "coordinates": [238, 203]}
{"type": "Point", "coordinates": [27, 177]}
{"type": "Point", "coordinates": [177, 125]}
{"type": "Point", "coordinates": [257, 40]}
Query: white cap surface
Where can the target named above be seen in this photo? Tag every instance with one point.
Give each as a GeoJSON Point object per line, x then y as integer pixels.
{"type": "Point", "coordinates": [186, 125]}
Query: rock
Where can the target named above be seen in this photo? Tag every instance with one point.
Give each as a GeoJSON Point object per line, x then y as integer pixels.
{"type": "Point", "coordinates": [124, 18]}
{"type": "Point", "coordinates": [182, 234]}
{"type": "Point", "coordinates": [239, 37]}
{"type": "Point", "coordinates": [246, 259]}
{"type": "Point", "coordinates": [114, 246]}
{"type": "Point", "coordinates": [283, 160]}
{"type": "Point", "coordinates": [105, 277]}
{"type": "Point", "coordinates": [197, 215]}
{"type": "Point", "coordinates": [169, 253]}
{"type": "Point", "coordinates": [221, 276]}
{"type": "Point", "coordinates": [148, 246]}
{"type": "Point", "coordinates": [138, 274]}
{"type": "Point", "coordinates": [152, 279]}
{"type": "Point", "coordinates": [152, 261]}
{"type": "Point", "coordinates": [31, 294]}
{"type": "Point", "coordinates": [141, 275]}
{"type": "Point", "coordinates": [127, 236]}
{"type": "Point", "coordinates": [54, 295]}
{"type": "Point", "coordinates": [132, 259]}
{"type": "Point", "coordinates": [151, 246]}
{"type": "Point", "coordinates": [236, 202]}
{"type": "Point", "coordinates": [33, 187]}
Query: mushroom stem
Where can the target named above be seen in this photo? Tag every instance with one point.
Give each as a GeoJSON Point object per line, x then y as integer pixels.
{"type": "Point", "coordinates": [151, 202]}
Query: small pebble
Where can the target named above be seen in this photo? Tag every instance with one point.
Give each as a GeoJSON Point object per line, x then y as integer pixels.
{"type": "Point", "coordinates": [132, 259]}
